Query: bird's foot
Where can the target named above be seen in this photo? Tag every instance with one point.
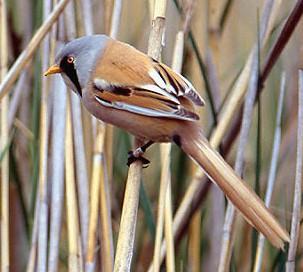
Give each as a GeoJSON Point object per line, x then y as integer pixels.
{"type": "Point", "coordinates": [137, 155]}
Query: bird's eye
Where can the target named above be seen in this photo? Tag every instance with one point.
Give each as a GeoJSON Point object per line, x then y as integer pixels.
{"type": "Point", "coordinates": [70, 59]}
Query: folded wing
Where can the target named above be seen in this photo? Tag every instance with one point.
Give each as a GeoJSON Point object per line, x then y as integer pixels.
{"type": "Point", "coordinates": [157, 91]}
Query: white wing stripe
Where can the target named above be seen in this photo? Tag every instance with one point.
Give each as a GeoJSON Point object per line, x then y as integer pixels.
{"type": "Point", "coordinates": [157, 78]}
{"type": "Point", "coordinates": [141, 110]}
{"type": "Point", "coordinates": [105, 85]}
{"type": "Point", "coordinates": [102, 84]}
{"type": "Point", "coordinates": [171, 89]}
{"type": "Point", "coordinates": [154, 74]}
{"type": "Point", "coordinates": [166, 88]}
{"type": "Point", "coordinates": [158, 90]}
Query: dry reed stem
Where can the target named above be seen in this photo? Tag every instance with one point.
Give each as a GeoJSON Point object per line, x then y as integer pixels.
{"type": "Point", "coordinates": [16, 98]}
{"type": "Point", "coordinates": [107, 247]}
{"type": "Point", "coordinates": [183, 209]}
{"type": "Point", "coordinates": [57, 171]}
{"type": "Point", "coordinates": [159, 9]}
{"type": "Point", "coordinates": [194, 243]}
{"type": "Point", "coordinates": [33, 251]}
{"type": "Point", "coordinates": [239, 90]}
{"type": "Point", "coordinates": [166, 154]}
{"type": "Point", "coordinates": [296, 213]}
{"type": "Point", "coordinates": [98, 167]}
{"type": "Point", "coordinates": [109, 152]}
{"type": "Point", "coordinates": [154, 50]}
{"type": "Point", "coordinates": [80, 155]}
{"type": "Point", "coordinates": [32, 258]}
{"type": "Point", "coordinates": [115, 20]}
{"type": "Point", "coordinates": [188, 6]}
{"type": "Point", "coordinates": [43, 155]}
{"type": "Point", "coordinates": [128, 221]}
{"type": "Point", "coordinates": [28, 52]}
{"type": "Point", "coordinates": [285, 34]}
{"type": "Point", "coordinates": [178, 52]}
{"type": "Point", "coordinates": [272, 171]}
{"type": "Point", "coordinates": [272, 20]}
{"type": "Point", "coordinates": [129, 212]}
{"type": "Point", "coordinates": [166, 159]}
{"type": "Point", "coordinates": [194, 236]}
{"type": "Point", "coordinates": [157, 31]}
{"type": "Point", "coordinates": [165, 176]}
{"type": "Point", "coordinates": [59, 96]}
{"type": "Point", "coordinates": [4, 219]}
{"type": "Point", "coordinates": [74, 256]}
{"type": "Point", "coordinates": [229, 224]}
{"type": "Point", "coordinates": [151, 6]}
{"type": "Point", "coordinates": [43, 211]}
{"type": "Point", "coordinates": [278, 46]}
{"type": "Point", "coordinates": [217, 8]}
{"type": "Point", "coordinates": [194, 229]}
{"type": "Point", "coordinates": [23, 129]}
{"type": "Point", "coordinates": [210, 46]}
{"type": "Point", "coordinates": [108, 12]}
{"type": "Point", "coordinates": [168, 228]}
{"type": "Point", "coordinates": [87, 17]}
{"type": "Point", "coordinates": [97, 175]}
{"type": "Point", "coordinates": [81, 170]}
{"type": "Point", "coordinates": [164, 204]}
{"type": "Point", "coordinates": [234, 103]}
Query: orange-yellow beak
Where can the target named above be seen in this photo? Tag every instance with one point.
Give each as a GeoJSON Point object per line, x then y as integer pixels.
{"type": "Point", "coordinates": [54, 69]}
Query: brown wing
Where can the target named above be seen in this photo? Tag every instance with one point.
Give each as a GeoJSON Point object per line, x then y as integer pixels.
{"type": "Point", "coordinates": [134, 82]}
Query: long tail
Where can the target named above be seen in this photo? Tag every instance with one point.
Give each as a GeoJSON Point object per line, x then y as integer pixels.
{"type": "Point", "coordinates": [244, 199]}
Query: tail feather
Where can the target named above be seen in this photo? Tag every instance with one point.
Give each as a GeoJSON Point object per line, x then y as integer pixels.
{"type": "Point", "coordinates": [238, 192]}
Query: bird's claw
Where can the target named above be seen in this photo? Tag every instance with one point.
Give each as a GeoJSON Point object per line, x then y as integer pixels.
{"type": "Point", "coordinates": [137, 155]}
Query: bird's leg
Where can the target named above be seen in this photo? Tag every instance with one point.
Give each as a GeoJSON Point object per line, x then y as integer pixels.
{"type": "Point", "coordinates": [137, 154]}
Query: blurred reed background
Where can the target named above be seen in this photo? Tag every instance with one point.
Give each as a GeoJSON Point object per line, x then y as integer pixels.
{"type": "Point", "coordinates": [64, 174]}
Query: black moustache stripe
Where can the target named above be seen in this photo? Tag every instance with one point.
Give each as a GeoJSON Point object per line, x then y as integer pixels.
{"type": "Point", "coordinates": [70, 71]}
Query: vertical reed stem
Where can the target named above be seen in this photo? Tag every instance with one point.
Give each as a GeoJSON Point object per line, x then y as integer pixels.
{"type": "Point", "coordinates": [71, 201]}
{"type": "Point", "coordinates": [4, 219]}
{"type": "Point", "coordinates": [296, 214]}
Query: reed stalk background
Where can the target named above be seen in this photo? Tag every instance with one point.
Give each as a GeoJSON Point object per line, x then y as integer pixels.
{"type": "Point", "coordinates": [68, 200]}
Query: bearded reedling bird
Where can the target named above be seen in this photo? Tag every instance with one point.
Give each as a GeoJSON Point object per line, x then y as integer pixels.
{"type": "Point", "coordinates": [124, 87]}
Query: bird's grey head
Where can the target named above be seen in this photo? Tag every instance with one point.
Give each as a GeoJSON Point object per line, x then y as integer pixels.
{"type": "Point", "coordinates": [77, 59]}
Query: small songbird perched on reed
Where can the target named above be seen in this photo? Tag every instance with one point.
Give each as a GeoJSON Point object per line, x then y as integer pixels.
{"type": "Point", "coordinates": [124, 87]}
